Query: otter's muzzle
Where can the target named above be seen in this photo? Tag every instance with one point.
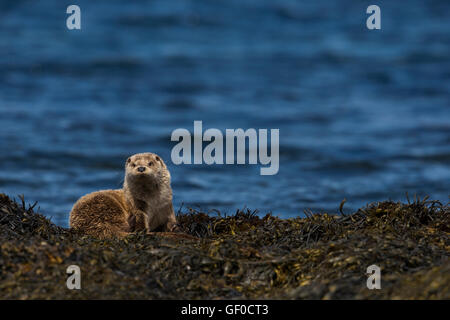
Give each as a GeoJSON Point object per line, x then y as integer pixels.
{"type": "Point", "coordinates": [141, 169]}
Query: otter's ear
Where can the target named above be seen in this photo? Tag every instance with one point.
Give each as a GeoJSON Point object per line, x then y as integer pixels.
{"type": "Point", "coordinates": [160, 161]}
{"type": "Point", "coordinates": [128, 160]}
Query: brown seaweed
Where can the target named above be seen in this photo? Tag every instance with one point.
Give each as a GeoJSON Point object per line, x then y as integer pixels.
{"type": "Point", "coordinates": [242, 256]}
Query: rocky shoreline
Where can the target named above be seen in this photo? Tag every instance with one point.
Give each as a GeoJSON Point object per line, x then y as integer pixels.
{"type": "Point", "coordinates": [243, 256]}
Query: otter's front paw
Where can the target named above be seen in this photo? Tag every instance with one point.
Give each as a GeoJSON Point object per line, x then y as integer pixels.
{"type": "Point", "coordinates": [138, 221]}
{"type": "Point", "coordinates": [172, 227]}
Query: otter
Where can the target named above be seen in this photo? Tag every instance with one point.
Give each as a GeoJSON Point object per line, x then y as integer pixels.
{"type": "Point", "coordinates": [143, 204]}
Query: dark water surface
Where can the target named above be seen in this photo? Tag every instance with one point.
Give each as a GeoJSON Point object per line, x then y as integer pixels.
{"type": "Point", "coordinates": [363, 115]}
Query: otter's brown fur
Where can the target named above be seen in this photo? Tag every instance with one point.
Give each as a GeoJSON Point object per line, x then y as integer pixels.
{"type": "Point", "coordinates": [143, 204]}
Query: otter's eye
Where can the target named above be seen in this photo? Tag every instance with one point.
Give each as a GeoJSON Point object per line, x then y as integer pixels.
{"type": "Point", "coordinates": [133, 165]}
{"type": "Point", "coordinates": [150, 163]}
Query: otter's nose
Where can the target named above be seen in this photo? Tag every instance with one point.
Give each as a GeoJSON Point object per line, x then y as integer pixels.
{"type": "Point", "coordinates": [141, 169]}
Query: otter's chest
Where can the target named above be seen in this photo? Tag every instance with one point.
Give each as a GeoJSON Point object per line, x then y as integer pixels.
{"type": "Point", "coordinates": [152, 208]}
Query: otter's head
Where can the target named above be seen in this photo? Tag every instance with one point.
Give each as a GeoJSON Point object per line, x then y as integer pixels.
{"type": "Point", "coordinates": [146, 169]}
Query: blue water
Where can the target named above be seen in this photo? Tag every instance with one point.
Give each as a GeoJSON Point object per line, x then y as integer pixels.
{"type": "Point", "coordinates": [363, 115]}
